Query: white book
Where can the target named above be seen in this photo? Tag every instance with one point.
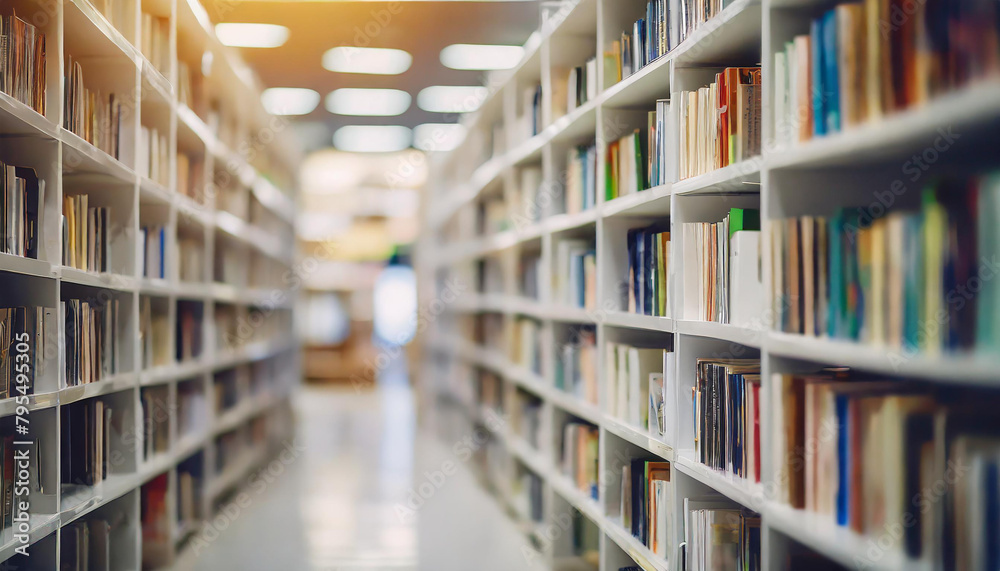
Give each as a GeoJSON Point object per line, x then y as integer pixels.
{"type": "Point", "coordinates": [642, 362]}
{"type": "Point", "coordinates": [622, 411]}
{"type": "Point", "coordinates": [611, 376]}
{"type": "Point", "coordinates": [780, 99]}
{"type": "Point", "coordinates": [691, 271]}
{"type": "Point", "coordinates": [746, 288]}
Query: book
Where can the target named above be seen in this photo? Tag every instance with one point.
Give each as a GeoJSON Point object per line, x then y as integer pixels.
{"type": "Point", "coordinates": [23, 62]}
{"type": "Point", "coordinates": [720, 123]}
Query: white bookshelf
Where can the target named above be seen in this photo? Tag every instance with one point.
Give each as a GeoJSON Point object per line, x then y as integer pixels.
{"type": "Point", "coordinates": [814, 177]}
{"type": "Point", "coordinates": [251, 158]}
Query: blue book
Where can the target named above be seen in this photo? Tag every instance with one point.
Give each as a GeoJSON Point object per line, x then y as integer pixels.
{"type": "Point", "coordinates": [649, 269]}
{"type": "Point", "coordinates": [819, 92]}
{"type": "Point", "coordinates": [633, 268]}
{"type": "Point", "coordinates": [836, 265]}
{"type": "Point", "coordinates": [912, 280]}
{"type": "Point", "coordinates": [163, 246]}
{"type": "Point", "coordinates": [843, 455]}
{"type": "Point", "coordinates": [831, 72]}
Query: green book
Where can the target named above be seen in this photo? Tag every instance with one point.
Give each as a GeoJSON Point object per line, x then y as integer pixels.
{"type": "Point", "coordinates": [743, 219]}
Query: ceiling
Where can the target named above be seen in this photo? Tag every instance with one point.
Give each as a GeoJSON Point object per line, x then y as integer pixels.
{"type": "Point", "coordinates": [421, 28]}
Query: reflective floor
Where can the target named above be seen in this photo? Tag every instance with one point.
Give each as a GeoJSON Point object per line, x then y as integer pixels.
{"type": "Point", "coordinates": [340, 503]}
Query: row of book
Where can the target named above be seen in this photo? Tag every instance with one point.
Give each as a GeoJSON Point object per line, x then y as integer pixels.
{"type": "Point", "coordinates": [649, 269]}
{"type": "Point", "coordinates": [85, 544]}
{"type": "Point", "coordinates": [625, 167]}
{"type": "Point", "coordinates": [155, 422]}
{"type": "Point", "coordinates": [527, 496]}
{"type": "Point", "coordinates": [576, 369]}
{"type": "Point", "coordinates": [23, 331]}
{"type": "Point", "coordinates": [153, 244]}
{"type": "Point", "coordinates": [726, 402]}
{"type": "Point", "coordinates": [720, 124]}
{"type": "Point", "coordinates": [22, 62]}
{"type": "Point", "coordinates": [720, 537]}
{"type": "Point", "coordinates": [93, 116]}
{"type": "Point", "coordinates": [88, 428]}
{"type": "Point", "coordinates": [12, 446]}
{"type": "Point", "coordinates": [190, 315]}
{"type": "Point", "coordinates": [579, 456]}
{"type": "Point", "coordinates": [650, 37]}
{"type": "Point", "coordinates": [22, 196]}
{"type": "Point", "coordinates": [581, 86]}
{"type": "Point", "coordinates": [918, 280]}
{"type": "Point", "coordinates": [721, 274]}
{"type": "Point", "coordinates": [576, 283]}
{"type": "Point", "coordinates": [661, 162]}
{"type": "Point", "coordinates": [635, 385]}
{"type": "Point", "coordinates": [581, 178]}
{"type": "Point", "coordinates": [529, 276]}
{"type": "Point", "coordinates": [525, 344]}
{"type": "Point", "coordinates": [861, 61]}
{"type": "Point", "coordinates": [647, 503]}
{"type": "Point", "coordinates": [531, 111]}
{"type": "Point", "coordinates": [156, 41]}
{"type": "Point", "coordinates": [190, 172]}
{"type": "Point", "coordinates": [153, 160]}
{"type": "Point", "coordinates": [155, 518]}
{"type": "Point", "coordinates": [86, 234]}
{"type": "Point", "coordinates": [189, 491]}
{"type": "Point", "coordinates": [154, 334]}
{"type": "Point", "coordinates": [191, 259]}
{"type": "Point", "coordinates": [872, 454]}
{"type": "Point", "coordinates": [92, 344]}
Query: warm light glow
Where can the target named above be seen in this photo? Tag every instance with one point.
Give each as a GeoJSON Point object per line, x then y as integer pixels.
{"type": "Point", "coordinates": [372, 138]}
{"type": "Point", "coordinates": [451, 98]}
{"type": "Point", "coordinates": [251, 35]}
{"type": "Point", "coordinates": [438, 136]}
{"type": "Point", "coordinates": [380, 61]}
{"type": "Point", "coordinates": [481, 57]}
{"type": "Point", "coordinates": [363, 101]}
{"type": "Point", "coordinates": [289, 100]}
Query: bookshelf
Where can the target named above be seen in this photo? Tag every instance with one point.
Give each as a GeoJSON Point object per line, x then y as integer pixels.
{"type": "Point", "coordinates": [202, 359]}
{"type": "Point", "coordinates": [811, 177]}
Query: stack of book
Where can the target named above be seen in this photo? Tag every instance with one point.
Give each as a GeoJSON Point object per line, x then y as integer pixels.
{"type": "Point", "coordinates": [23, 330]}
{"type": "Point", "coordinates": [155, 36]}
{"type": "Point", "coordinates": [86, 234]}
{"type": "Point", "coordinates": [22, 62]}
{"type": "Point", "coordinates": [155, 513]}
{"type": "Point", "coordinates": [636, 387]}
{"type": "Point", "coordinates": [154, 335]}
{"type": "Point", "coordinates": [720, 273]}
{"type": "Point", "coordinates": [155, 422]}
{"type": "Point", "coordinates": [579, 456]}
{"type": "Point", "coordinates": [22, 197]}
{"type": "Point", "coordinates": [726, 398]}
{"type": "Point", "coordinates": [649, 267]}
{"type": "Point", "coordinates": [650, 37]}
{"type": "Point", "coordinates": [625, 166]}
{"type": "Point", "coordinates": [862, 61]}
{"type": "Point", "coordinates": [92, 343]}
{"type": "Point", "coordinates": [720, 537]}
{"type": "Point", "coordinates": [647, 503]}
{"type": "Point", "coordinates": [152, 244]}
{"type": "Point", "coordinates": [581, 178]}
{"type": "Point", "coordinates": [719, 124]}
{"type": "Point", "coordinates": [87, 431]}
{"type": "Point", "coordinates": [918, 280]}
{"type": "Point", "coordinates": [189, 322]}
{"type": "Point", "coordinates": [93, 116]}
{"type": "Point", "coordinates": [154, 155]}
{"type": "Point", "coordinates": [576, 285]}
{"type": "Point", "coordinates": [576, 369]}
{"type": "Point", "coordinates": [872, 454]}
{"type": "Point", "coordinates": [525, 344]}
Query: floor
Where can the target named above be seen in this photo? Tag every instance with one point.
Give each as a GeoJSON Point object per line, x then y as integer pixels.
{"type": "Point", "coordinates": [341, 503]}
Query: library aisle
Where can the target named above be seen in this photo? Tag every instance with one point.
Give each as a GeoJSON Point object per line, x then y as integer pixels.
{"type": "Point", "coordinates": [341, 502]}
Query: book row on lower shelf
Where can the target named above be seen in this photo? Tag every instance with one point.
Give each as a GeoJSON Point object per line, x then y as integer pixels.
{"type": "Point", "coordinates": [635, 386]}
{"type": "Point", "coordinates": [22, 69]}
{"type": "Point", "coordinates": [576, 283]}
{"type": "Point", "coordinates": [849, 68]}
{"type": "Point", "coordinates": [649, 269]}
{"type": "Point", "coordinates": [96, 117]}
{"type": "Point", "coordinates": [920, 280]}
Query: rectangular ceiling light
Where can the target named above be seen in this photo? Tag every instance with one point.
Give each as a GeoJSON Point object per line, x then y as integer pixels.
{"type": "Point", "coordinates": [289, 100]}
{"type": "Point", "coordinates": [481, 57]}
{"type": "Point", "coordinates": [452, 98]}
{"type": "Point", "coordinates": [372, 138]}
{"type": "Point", "coordinates": [251, 35]}
{"type": "Point", "coordinates": [366, 101]}
{"type": "Point", "coordinates": [378, 61]}
{"type": "Point", "coordinates": [433, 137]}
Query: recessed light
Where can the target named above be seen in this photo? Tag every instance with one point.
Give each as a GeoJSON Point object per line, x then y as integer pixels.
{"type": "Point", "coordinates": [365, 101]}
{"type": "Point", "coordinates": [451, 98]}
{"type": "Point", "coordinates": [379, 61]}
{"type": "Point", "coordinates": [289, 100]}
{"type": "Point", "coordinates": [372, 138]}
{"type": "Point", "coordinates": [438, 136]}
{"type": "Point", "coordinates": [251, 35]}
{"type": "Point", "coordinates": [481, 56]}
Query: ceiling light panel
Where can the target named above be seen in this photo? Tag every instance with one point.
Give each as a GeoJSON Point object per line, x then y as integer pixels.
{"type": "Point", "coordinates": [451, 98]}
{"type": "Point", "coordinates": [368, 102]}
{"type": "Point", "coordinates": [251, 35]}
{"type": "Point", "coordinates": [372, 138]}
{"type": "Point", "coordinates": [481, 57]}
{"type": "Point", "coordinates": [378, 61]}
{"type": "Point", "coordinates": [289, 100]}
